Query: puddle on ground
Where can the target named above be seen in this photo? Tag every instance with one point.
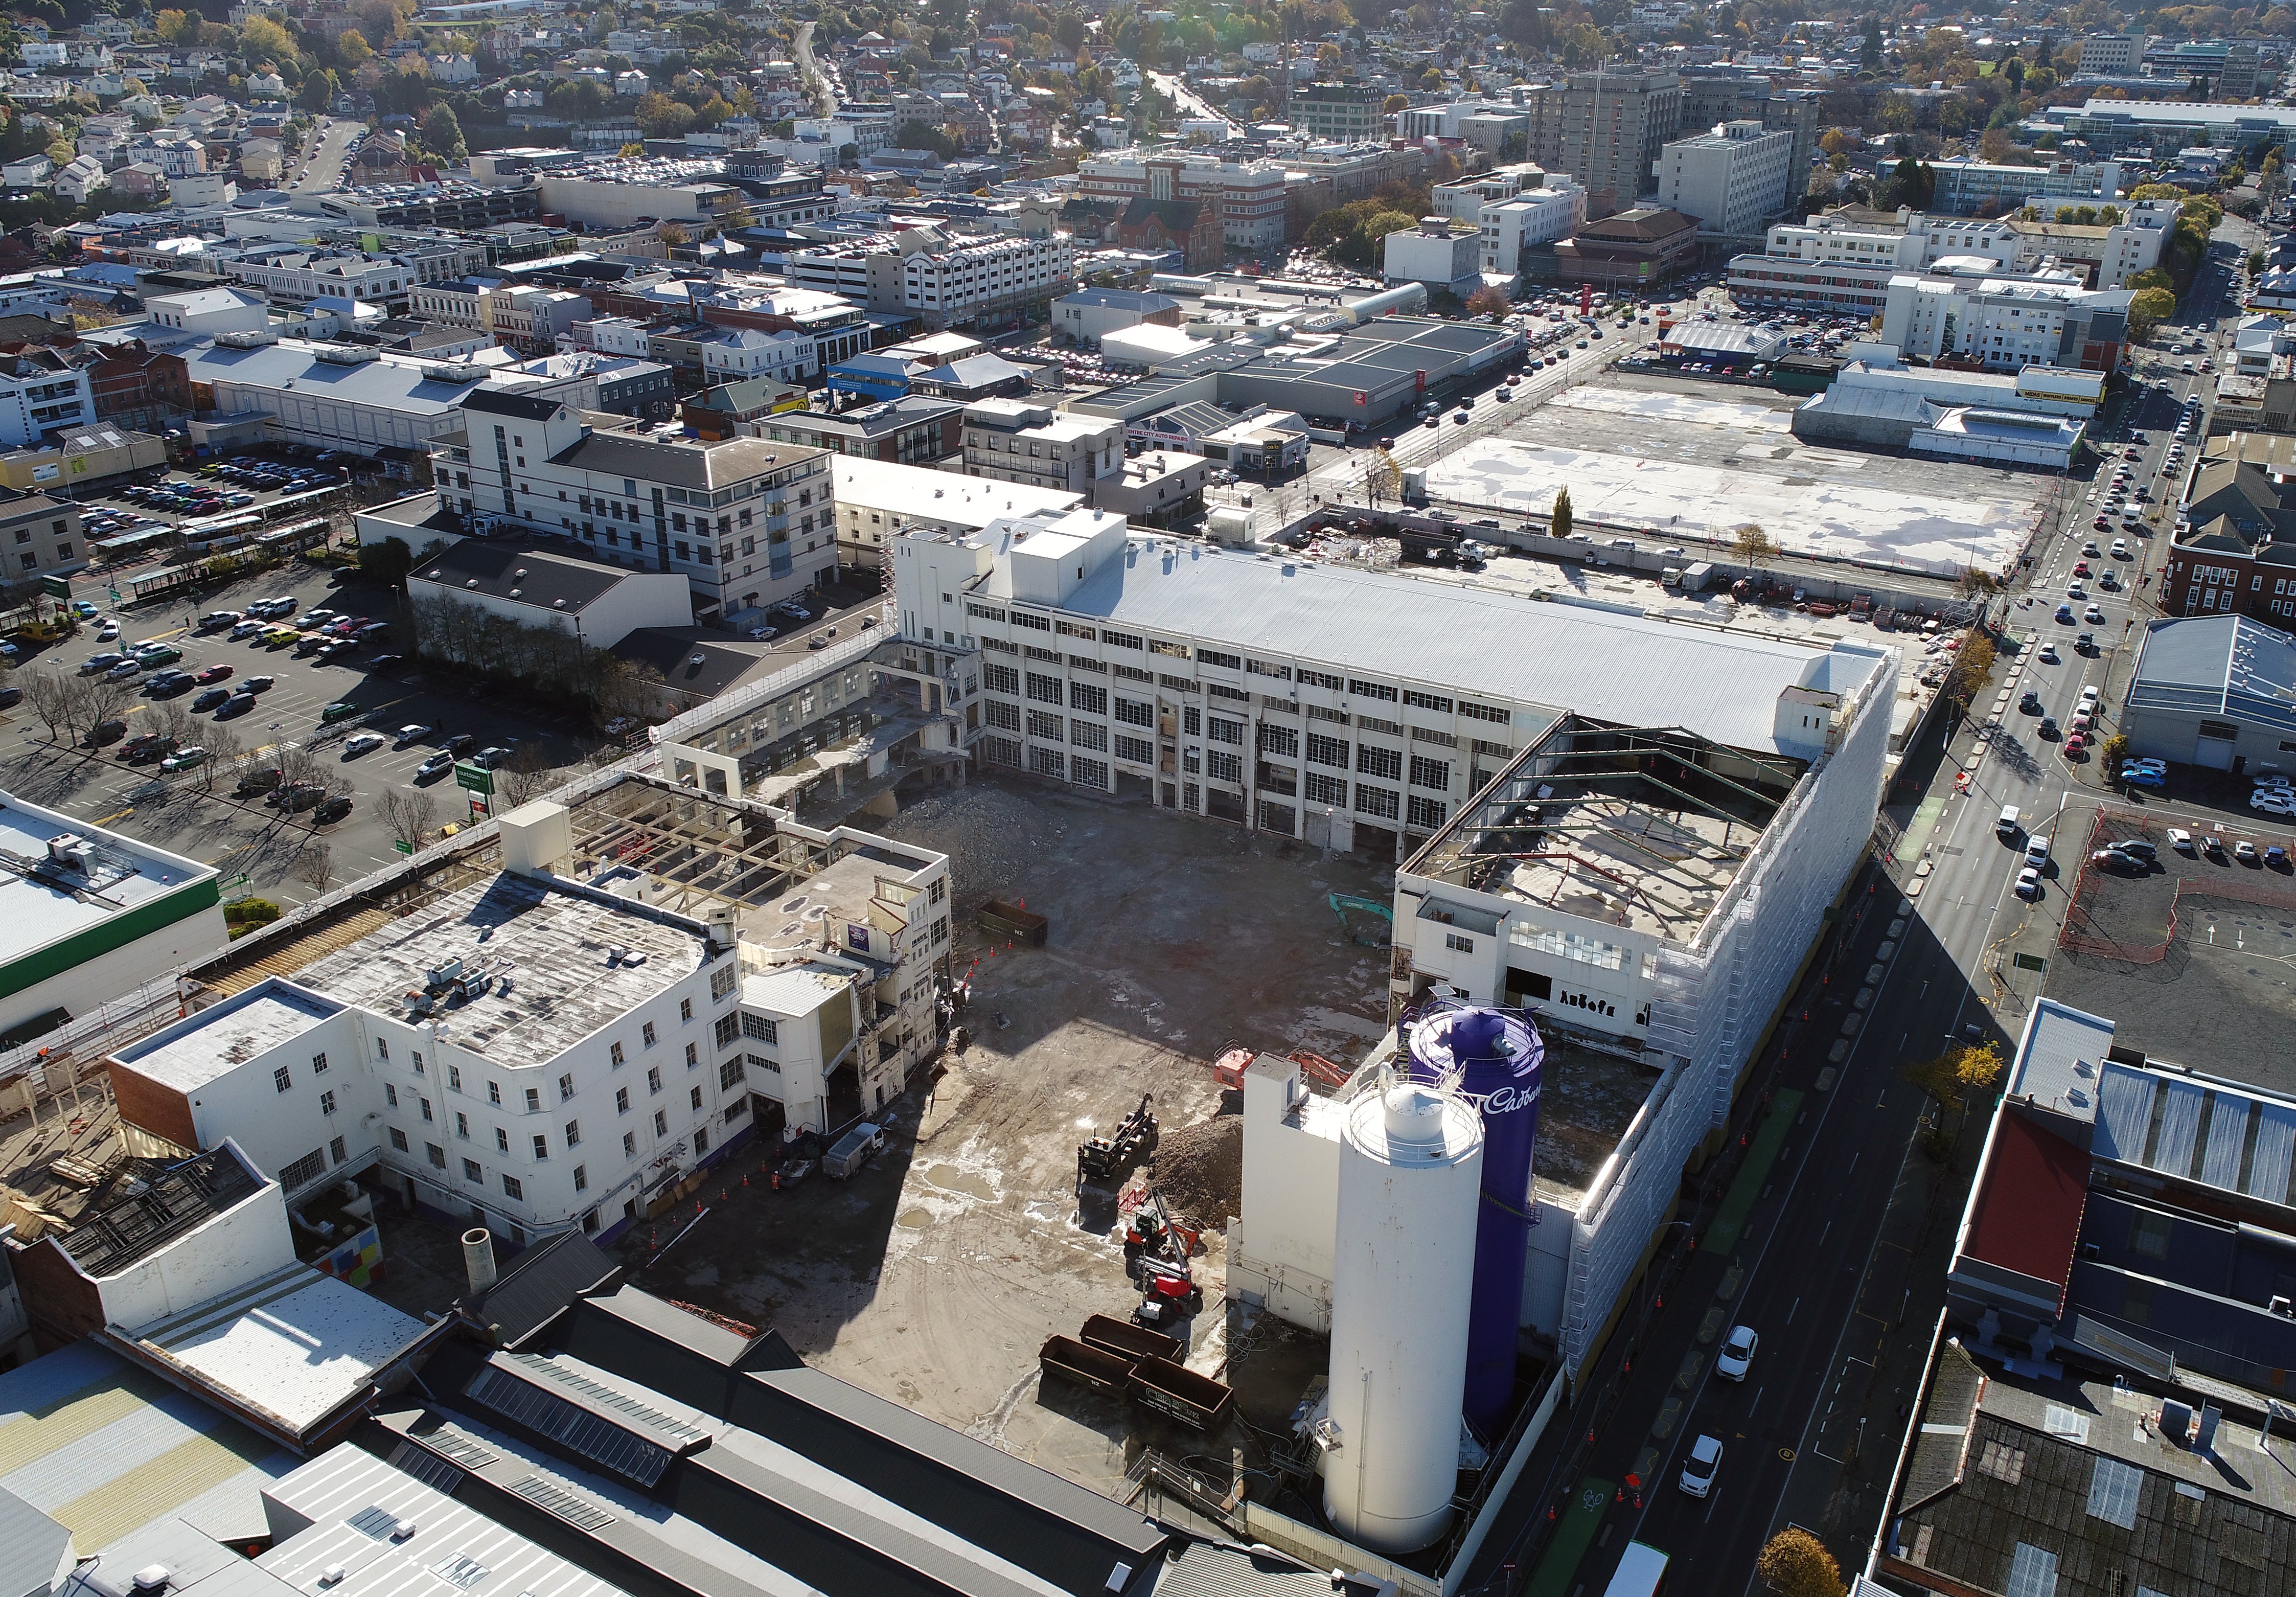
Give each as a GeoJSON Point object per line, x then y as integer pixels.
{"type": "Point", "coordinates": [950, 1179]}
{"type": "Point", "coordinates": [914, 1219]}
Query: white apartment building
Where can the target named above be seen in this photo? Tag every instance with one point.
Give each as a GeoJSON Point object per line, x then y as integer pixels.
{"type": "Point", "coordinates": [1310, 701]}
{"type": "Point", "coordinates": [1463, 199]}
{"type": "Point", "coordinates": [40, 392]}
{"type": "Point", "coordinates": [965, 282]}
{"type": "Point", "coordinates": [1012, 440]}
{"type": "Point", "coordinates": [731, 354]}
{"type": "Point", "coordinates": [2007, 323]}
{"type": "Point", "coordinates": [2116, 251]}
{"type": "Point", "coordinates": [1438, 252]}
{"type": "Point", "coordinates": [1733, 179]}
{"type": "Point", "coordinates": [208, 311]}
{"type": "Point", "coordinates": [299, 276]}
{"type": "Point", "coordinates": [1248, 195]}
{"type": "Point", "coordinates": [548, 1052]}
{"type": "Point", "coordinates": [1539, 215]}
{"type": "Point", "coordinates": [614, 335]}
{"type": "Point", "coordinates": [746, 522]}
{"type": "Point", "coordinates": [532, 318]}
{"type": "Point", "coordinates": [1831, 264]}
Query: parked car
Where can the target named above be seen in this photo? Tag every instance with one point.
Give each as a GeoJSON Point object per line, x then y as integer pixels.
{"type": "Point", "coordinates": [436, 766]}
{"type": "Point", "coordinates": [184, 758]}
{"type": "Point", "coordinates": [342, 709]}
{"type": "Point", "coordinates": [359, 742]}
{"type": "Point", "coordinates": [209, 699]}
{"type": "Point", "coordinates": [2028, 884]}
{"type": "Point", "coordinates": [413, 732]}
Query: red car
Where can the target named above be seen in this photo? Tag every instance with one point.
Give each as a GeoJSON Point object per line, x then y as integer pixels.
{"type": "Point", "coordinates": [2103, 523]}
{"type": "Point", "coordinates": [2082, 570]}
{"type": "Point", "coordinates": [345, 628]}
{"type": "Point", "coordinates": [2074, 744]}
{"type": "Point", "coordinates": [213, 674]}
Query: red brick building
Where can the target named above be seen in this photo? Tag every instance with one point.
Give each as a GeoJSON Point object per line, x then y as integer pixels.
{"type": "Point", "coordinates": [1188, 225]}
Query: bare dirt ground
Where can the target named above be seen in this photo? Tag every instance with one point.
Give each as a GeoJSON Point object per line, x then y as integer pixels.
{"type": "Point", "coordinates": [933, 1277]}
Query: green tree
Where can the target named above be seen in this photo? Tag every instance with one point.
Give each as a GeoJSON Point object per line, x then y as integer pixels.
{"type": "Point", "coordinates": [261, 39]}
{"type": "Point", "coordinates": [179, 27]}
{"type": "Point", "coordinates": [351, 47]}
{"type": "Point", "coordinates": [2147, 309]}
{"type": "Point", "coordinates": [1559, 520]}
{"type": "Point", "coordinates": [442, 134]}
{"type": "Point", "coordinates": [318, 90]}
{"type": "Point", "coordinates": [1869, 53]}
{"type": "Point", "coordinates": [387, 562]}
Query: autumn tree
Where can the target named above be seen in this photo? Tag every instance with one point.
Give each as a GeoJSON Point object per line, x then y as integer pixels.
{"type": "Point", "coordinates": [351, 47]}
{"type": "Point", "coordinates": [1489, 300]}
{"type": "Point", "coordinates": [1751, 545]}
{"type": "Point", "coordinates": [1794, 1563]}
{"type": "Point", "coordinates": [178, 28]}
{"type": "Point", "coordinates": [1958, 1075]}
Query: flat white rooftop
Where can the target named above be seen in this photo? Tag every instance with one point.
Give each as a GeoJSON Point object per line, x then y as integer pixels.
{"type": "Point", "coordinates": [42, 902]}
{"type": "Point", "coordinates": [214, 1042]}
{"type": "Point", "coordinates": [923, 494]}
{"type": "Point", "coordinates": [565, 963]}
{"type": "Point", "coordinates": [297, 1344]}
{"type": "Point", "coordinates": [1810, 500]}
{"type": "Point", "coordinates": [1493, 646]}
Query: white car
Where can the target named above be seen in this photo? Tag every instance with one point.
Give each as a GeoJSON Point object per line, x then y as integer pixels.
{"type": "Point", "coordinates": [1699, 1469]}
{"type": "Point", "coordinates": [2037, 851]}
{"type": "Point", "coordinates": [2272, 802]}
{"type": "Point", "coordinates": [359, 742]}
{"type": "Point", "coordinates": [2028, 884]}
{"type": "Point", "coordinates": [2180, 840]}
{"type": "Point", "coordinates": [1737, 1354]}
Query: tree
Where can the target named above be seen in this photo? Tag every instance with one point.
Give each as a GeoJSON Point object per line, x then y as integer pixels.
{"type": "Point", "coordinates": [2147, 309]}
{"type": "Point", "coordinates": [407, 814]}
{"type": "Point", "coordinates": [351, 47]}
{"type": "Point", "coordinates": [315, 867]}
{"type": "Point", "coordinates": [1972, 665]}
{"type": "Point", "coordinates": [1795, 1563]}
{"type": "Point", "coordinates": [180, 27]}
{"type": "Point", "coordinates": [526, 775]}
{"type": "Point", "coordinates": [442, 134]}
{"type": "Point", "coordinates": [1382, 478]}
{"type": "Point", "coordinates": [1395, 102]}
{"type": "Point", "coordinates": [1751, 545]}
{"type": "Point", "coordinates": [1559, 520]}
{"type": "Point", "coordinates": [1869, 53]}
{"type": "Point", "coordinates": [1489, 301]}
{"type": "Point", "coordinates": [51, 698]}
{"type": "Point", "coordinates": [261, 39]}
{"type": "Point", "coordinates": [318, 90]}
{"type": "Point", "coordinates": [1957, 1076]}
{"type": "Point", "coordinates": [386, 562]}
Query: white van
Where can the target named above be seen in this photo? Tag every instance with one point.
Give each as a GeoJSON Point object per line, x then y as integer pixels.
{"type": "Point", "coordinates": [2008, 825]}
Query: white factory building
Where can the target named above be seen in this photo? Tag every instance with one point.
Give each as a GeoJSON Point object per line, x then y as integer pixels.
{"type": "Point", "coordinates": [556, 1044]}
{"type": "Point", "coordinates": [1683, 871]}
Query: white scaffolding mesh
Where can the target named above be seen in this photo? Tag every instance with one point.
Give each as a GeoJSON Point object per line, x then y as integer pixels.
{"type": "Point", "coordinates": [1715, 998]}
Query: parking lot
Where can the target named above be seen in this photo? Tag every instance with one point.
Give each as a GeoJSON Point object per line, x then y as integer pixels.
{"type": "Point", "coordinates": [217, 504]}
{"type": "Point", "coordinates": [282, 728]}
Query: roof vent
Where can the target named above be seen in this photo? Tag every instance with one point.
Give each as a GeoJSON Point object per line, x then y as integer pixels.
{"type": "Point", "coordinates": [404, 1529]}
{"type": "Point", "coordinates": [151, 1579]}
{"type": "Point", "coordinates": [332, 1575]}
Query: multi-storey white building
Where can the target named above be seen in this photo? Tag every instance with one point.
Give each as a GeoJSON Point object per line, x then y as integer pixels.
{"type": "Point", "coordinates": [966, 280]}
{"type": "Point", "coordinates": [1732, 179]}
{"type": "Point", "coordinates": [1248, 195]}
{"type": "Point", "coordinates": [2007, 322]}
{"type": "Point", "coordinates": [731, 354]}
{"type": "Point", "coordinates": [1012, 440]}
{"type": "Point", "coordinates": [1463, 199]}
{"type": "Point", "coordinates": [299, 276]}
{"type": "Point", "coordinates": [1832, 264]}
{"type": "Point", "coordinates": [746, 522]}
{"type": "Point", "coordinates": [543, 1050]}
{"type": "Point", "coordinates": [40, 392]}
{"type": "Point", "coordinates": [1306, 699]}
{"type": "Point", "coordinates": [1539, 216]}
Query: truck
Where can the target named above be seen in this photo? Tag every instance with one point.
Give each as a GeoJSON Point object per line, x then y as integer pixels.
{"type": "Point", "coordinates": [853, 1150]}
{"type": "Point", "coordinates": [1696, 575]}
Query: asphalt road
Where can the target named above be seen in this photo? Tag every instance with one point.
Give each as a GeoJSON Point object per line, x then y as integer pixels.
{"type": "Point", "coordinates": [1838, 1255]}
{"type": "Point", "coordinates": [321, 170]}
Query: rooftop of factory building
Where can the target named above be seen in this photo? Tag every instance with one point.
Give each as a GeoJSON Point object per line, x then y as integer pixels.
{"type": "Point", "coordinates": [209, 1043]}
{"type": "Point", "coordinates": [917, 493]}
{"type": "Point", "coordinates": [565, 961]}
{"type": "Point", "coordinates": [60, 877]}
{"type": "Point", "coordinates": [1629, 670]}
{"type": "Point", "coordinates": [1644, 829]}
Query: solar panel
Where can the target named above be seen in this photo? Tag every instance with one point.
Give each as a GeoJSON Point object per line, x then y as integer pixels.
{"type": "Point", "coordinates": [572, 1509]}
{"type": "Point", "coordinates": [676, 1432]}
{"type": "Point", "coordinates": [449, 1442]}
{"type": "Point", "coordinates": [545, 1413]}
{"type": "Point", "coordinates": [2113, 1492]}
{"type": "Point", "coordinates": [376, 1522]}
{"type": "Point", "coordinates": [434, 1472]}
{"type": "Point", "coordinates": [2032, 1572]}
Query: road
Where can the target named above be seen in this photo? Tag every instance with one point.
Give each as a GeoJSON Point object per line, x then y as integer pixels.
{"type": "Point", "coordinates": [1838, 1264]}
{"type": "Point", "coordinates": [1185, 101]}
{"type": "Point", "coordinates": [321, 170]}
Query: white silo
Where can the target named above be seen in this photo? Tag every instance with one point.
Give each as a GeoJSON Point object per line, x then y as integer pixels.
{"type": "Point", "coordinates": [1411, 1161]}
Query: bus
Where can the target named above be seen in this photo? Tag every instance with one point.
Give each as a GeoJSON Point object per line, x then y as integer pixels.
{"type": "Point", "coordinates": [1642, 1573]}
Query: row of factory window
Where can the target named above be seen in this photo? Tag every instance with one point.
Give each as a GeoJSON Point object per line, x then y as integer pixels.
{"type": "Point", "coordinates": [1281, 741]}
{"type": "Point", "coordinates": [513, 1187]}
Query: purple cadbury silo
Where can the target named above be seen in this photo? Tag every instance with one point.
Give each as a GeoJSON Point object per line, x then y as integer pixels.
{"type": "Point", "coordinates": [1498, 1057]}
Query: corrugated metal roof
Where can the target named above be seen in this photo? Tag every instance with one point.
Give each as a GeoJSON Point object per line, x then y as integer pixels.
{"type": "Point", "coordinates": [2154, 1122]}
{"type": "Point", "coordinates": [104, 1448]}
{"type": "Point", "coordinates": [38, 1548]}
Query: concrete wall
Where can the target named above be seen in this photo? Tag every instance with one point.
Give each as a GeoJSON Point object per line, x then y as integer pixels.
{"type": "Point", "coordinates": [1281, 1253]}
{"type": "Point", "coordinates": [640, 599]}
{"type": "Point", "coordinates": [87, 985]}
{"type": "Point", "coordinates": [275, 1129]}
{"type": "Point", "coordinates": [244, 1243]}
